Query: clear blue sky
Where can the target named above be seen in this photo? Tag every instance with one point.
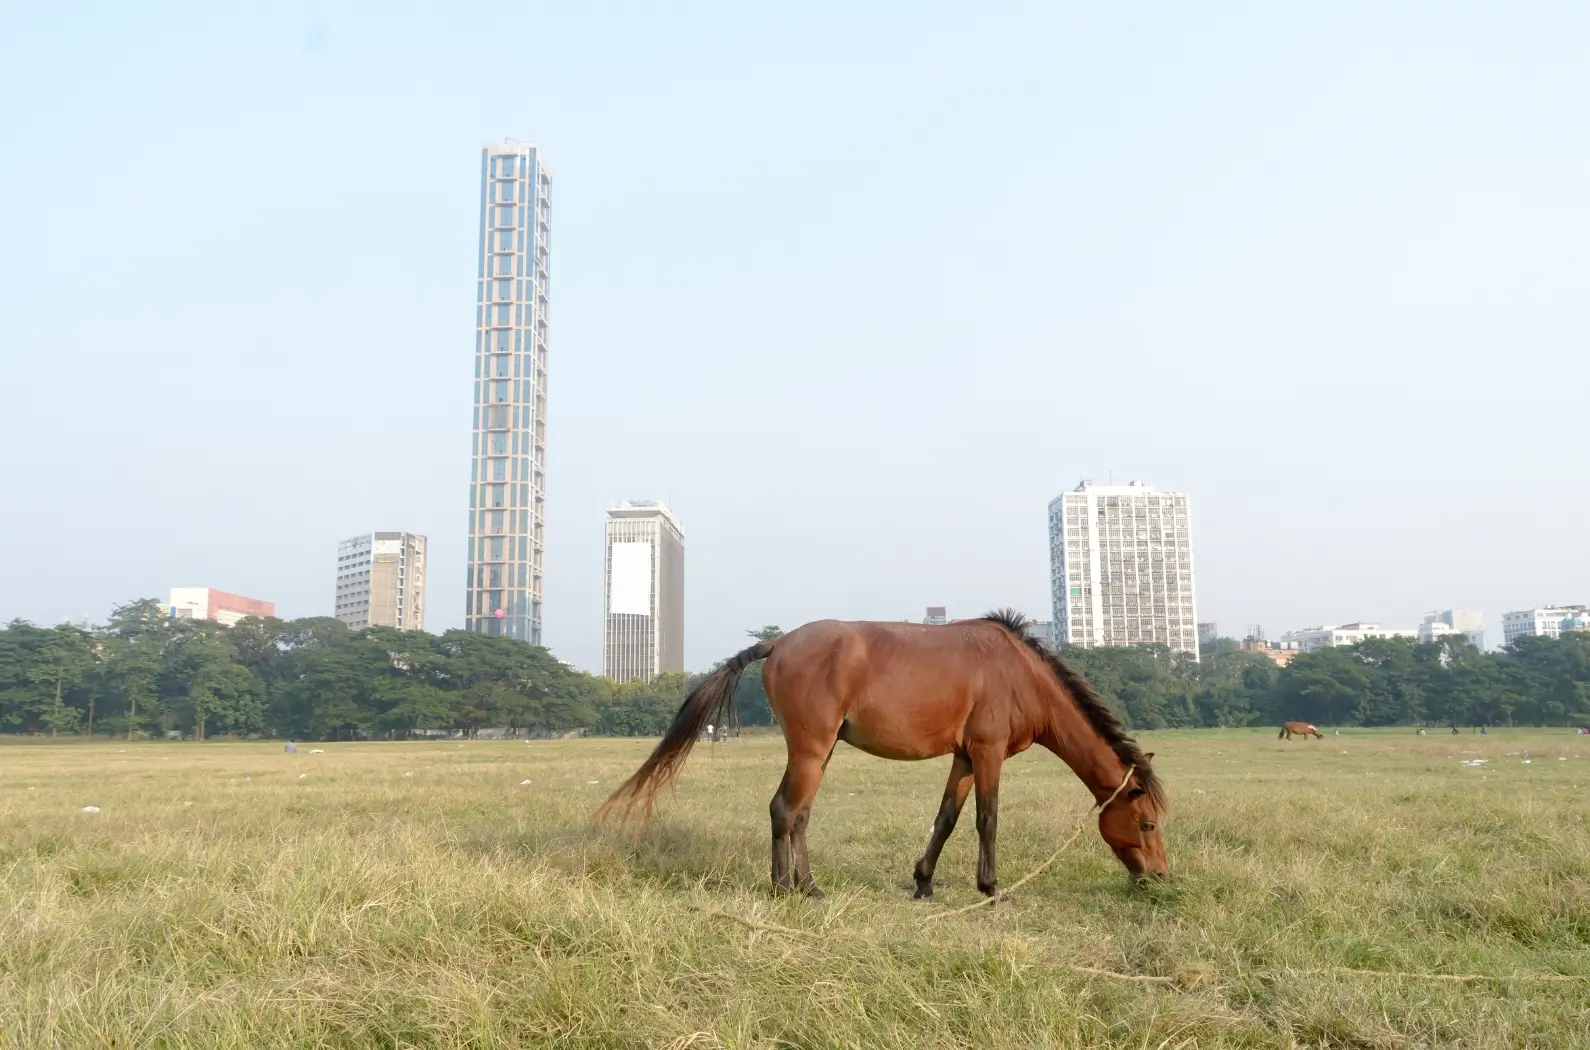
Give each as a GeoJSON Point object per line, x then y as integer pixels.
{"type": "Point", "coordinates": [858, 289]}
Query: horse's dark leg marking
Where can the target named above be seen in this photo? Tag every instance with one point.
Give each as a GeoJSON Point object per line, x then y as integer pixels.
{"type": "Point", "coordinates": [955, 792]}
{"type": "Point", "coordinates": [986, 765]}
{"type": "Point", "coordinates": [790, 811]}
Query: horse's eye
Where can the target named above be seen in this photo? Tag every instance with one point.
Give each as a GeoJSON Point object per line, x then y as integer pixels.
{"type": "Point", "coordinates": [1147, 825]}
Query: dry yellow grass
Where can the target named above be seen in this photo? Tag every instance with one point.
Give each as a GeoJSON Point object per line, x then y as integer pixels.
{"type": "Point", "coordinates": [359, 906]}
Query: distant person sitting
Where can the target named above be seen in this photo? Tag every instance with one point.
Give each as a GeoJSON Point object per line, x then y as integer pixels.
{"type": "Point", "coordinates": [292, 747]}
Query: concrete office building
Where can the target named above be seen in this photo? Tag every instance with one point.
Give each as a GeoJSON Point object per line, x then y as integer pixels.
{"type": "Point", "coordinates": [207, 603]}
{"type": "Point", "coordinates": [507, 491]}
{"type": "Point", "coordinates": [1121, 568]}
{"type": "Point", "coordinates": [381, 581]}
{"type": "Point", "coordinates": [1545, 621]}
{"type": "Point", "coordinates": [1465, 622]}
{"type": "Point", "coordinates": [936, 614]}
{"type": "Point", "coordinates": [644, 632]}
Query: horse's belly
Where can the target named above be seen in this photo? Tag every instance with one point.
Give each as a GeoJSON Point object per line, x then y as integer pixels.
{"type": "Point", "coordinates": [887, 738]}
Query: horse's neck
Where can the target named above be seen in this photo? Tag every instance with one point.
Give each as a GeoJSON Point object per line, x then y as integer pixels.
{"type": "Point", "coordinates": [1072, 737]}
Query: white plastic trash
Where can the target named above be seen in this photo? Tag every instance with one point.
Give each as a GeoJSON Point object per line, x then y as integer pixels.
{"type": "Point", "coordinates": [90, 809]}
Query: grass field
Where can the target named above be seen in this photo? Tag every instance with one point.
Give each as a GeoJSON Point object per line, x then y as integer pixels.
{"type": "Point", "coordinates": [392, 895]}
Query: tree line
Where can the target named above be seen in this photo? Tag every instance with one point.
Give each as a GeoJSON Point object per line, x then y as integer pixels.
{"type": "Point", "coordinates": [1378, 682]}
{"type": "Point", "coordinates": [143, 673]}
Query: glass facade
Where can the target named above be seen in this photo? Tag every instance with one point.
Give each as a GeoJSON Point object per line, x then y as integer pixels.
{"type": "Point", "coordinates": [507, 499]}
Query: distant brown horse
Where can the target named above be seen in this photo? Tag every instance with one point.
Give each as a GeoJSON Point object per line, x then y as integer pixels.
{"type": "Point", "coordinates": [980, 690]}
{"type": "Point", "coordinates": [1299, 729]}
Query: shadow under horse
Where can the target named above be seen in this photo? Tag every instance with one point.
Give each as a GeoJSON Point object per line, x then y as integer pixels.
{"type": "Point", "coordinates": [980, 690]}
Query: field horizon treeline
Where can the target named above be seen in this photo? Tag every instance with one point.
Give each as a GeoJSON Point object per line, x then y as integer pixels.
{"type": "Point", "coordinates": [315, 679]}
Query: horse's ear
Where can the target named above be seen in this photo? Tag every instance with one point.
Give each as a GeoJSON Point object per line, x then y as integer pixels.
{"type": "Point", "coordinates": [1149, 757]}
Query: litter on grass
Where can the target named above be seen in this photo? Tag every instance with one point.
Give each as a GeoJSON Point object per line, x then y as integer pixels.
{"type": "Point", "coordinates": [522, 783]}
{"type": "Point", "coordinates": [90, 809]}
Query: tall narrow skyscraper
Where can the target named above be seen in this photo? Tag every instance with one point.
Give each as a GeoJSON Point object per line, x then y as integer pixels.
{"type": "Point", "coordinates": [645, 627]}
{"type": "Point", "coordinates": [507, 478]}
{"type": "Point", "coordinates": [1121, 569]}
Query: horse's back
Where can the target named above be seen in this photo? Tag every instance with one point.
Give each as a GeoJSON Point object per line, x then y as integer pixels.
{"type": "Point", "coordinates": [900, 690]}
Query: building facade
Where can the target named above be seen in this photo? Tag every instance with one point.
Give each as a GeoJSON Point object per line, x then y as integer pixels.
{"type": "Point", "coordinates": [507, 490]}
{"type": "Point", "coordinates": [1545, 620]}
{"type": "Point", "coordinates": [207, 603]}
{"type": "Point", "coordinates": [1465, 622]}
{"type": "Point", "coordinates": [1121, 567]}
{"type": "Point", "coordinates": [936, 614]}
{"type": "Point", "coordinates": [1309, 639]}
{"type": "Point", "coordinates": [644, 632]}
{"type": "Point", "coordinates": [381, 581]}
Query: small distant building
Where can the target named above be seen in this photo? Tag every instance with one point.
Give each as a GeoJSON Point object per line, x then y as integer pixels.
{"type": "Point", "coordinates": [1043, 631]}
{"type": "Point", "coordinates": [1278, 656]}
{"type": "Point", "coordinates": [1543, 621]}
{"type": "Point", "coordinates": [937, 614]}
{"type": "Point", "coordinates": [1465, 622]}
{"type": "Point", "coordinates": [1208, 631]}
{"type": "Point", "coordinates": [207, 603]}
{"type": "Point", "coordinates": [1309, 639]}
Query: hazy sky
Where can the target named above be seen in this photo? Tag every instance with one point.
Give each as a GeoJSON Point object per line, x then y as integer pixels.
{"type": "Point", "coordinates": [856, 288]}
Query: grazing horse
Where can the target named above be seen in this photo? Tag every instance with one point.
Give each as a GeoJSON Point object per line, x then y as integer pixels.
{"type": "Point", "coordinates": [980, 690]}
{"type": "Point", "coordinates": [1300, 729]}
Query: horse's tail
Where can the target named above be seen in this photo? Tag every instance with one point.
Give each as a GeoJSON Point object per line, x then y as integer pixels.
{"type": "Point", "coordinates": [1281, 734]}
{"type": "Point", "coordinates": [711, 702]}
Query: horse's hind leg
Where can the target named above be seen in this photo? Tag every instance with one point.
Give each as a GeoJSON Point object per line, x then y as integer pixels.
{"type": "Point", "coordinates": [955, 791]}
{"type": "Point", "coordinates": [790, 811]}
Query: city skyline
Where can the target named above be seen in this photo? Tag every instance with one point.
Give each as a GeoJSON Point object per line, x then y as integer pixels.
{"type": "Point", "coordinates": [1277, 259]}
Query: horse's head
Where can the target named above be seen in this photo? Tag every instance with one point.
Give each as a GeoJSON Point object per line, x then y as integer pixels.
{"type": "Point", "coordinates": [1130, 825]}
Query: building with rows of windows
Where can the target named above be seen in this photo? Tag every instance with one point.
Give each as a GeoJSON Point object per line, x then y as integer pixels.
{"type": "Point", "coordinates": [644, 629]}
{"type": "Point", "coordinates": [1121, 567]}
{"type": "Point", "coordinates": [507, 492]}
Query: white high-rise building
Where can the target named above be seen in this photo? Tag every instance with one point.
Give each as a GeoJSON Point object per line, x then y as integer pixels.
{"type": "Point", "coordinates": [507, 490]}
{"type": "Point", "coordinates": [1121, 568]}
{"type": "Point", "coordinates": [1546, 620]}
{"type": "Point", "coordinates": [381, 581]}
{"type": "Point", "coordinates": [644, 631]}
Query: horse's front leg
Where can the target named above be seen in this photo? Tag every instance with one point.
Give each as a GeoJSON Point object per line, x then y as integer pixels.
{"type": "Point", "coordinates": [986, 766]}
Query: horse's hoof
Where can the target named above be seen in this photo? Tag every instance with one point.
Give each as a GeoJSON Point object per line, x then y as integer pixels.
{"type": "Point", "coordinates": [923, 893]}
{"type": "Point", "coordinates": [814, 893]}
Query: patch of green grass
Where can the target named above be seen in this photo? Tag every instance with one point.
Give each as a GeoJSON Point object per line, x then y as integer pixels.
{"type": "Point", "coordinates": [360, 907]}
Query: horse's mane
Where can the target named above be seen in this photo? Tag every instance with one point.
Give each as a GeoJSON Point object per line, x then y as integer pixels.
{"type": "Point", "coordinates": [1092, 706]}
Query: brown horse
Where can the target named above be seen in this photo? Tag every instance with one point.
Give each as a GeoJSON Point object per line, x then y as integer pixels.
{"type": "Point", "coordinates": [1300, 729]}
{"type": "Point", "coordinates": [980, 690]}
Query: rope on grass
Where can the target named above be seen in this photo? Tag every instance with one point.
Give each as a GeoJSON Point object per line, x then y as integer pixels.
{"type": "Point", "coordinates": [1040, 869]}
{"type": "Point", "coordinates": [1456, 978]}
